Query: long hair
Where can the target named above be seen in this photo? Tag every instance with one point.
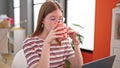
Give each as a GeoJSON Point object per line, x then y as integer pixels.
{"type": "Point", "coordinates": [46, 8]}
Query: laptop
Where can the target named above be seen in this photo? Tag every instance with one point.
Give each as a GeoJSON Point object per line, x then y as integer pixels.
{"type": "Point", "coordinates": [106, 62]}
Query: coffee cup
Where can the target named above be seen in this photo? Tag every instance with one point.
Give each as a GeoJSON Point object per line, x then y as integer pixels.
{"type": "Point", "coordinates": [64, 35]}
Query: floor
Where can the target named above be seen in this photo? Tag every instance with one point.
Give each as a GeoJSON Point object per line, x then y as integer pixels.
{"type": "Point", "coordinates": [6, 60]}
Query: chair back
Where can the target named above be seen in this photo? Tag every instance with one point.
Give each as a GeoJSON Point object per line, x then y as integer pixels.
{"type": "Point", "coordinates": [19, 60]}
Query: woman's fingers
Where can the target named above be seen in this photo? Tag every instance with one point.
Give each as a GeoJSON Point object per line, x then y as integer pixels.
{"type": "Point", "coordinates": [60, 28]}
{"type": "Point", "coordinates": [71, 31]}
{"type": "Point", "coordinates": [58, 36]}
{"type": "Point", "coordinates": [61, 32]}
{"type": "Point", "coordinates": [76, 42]}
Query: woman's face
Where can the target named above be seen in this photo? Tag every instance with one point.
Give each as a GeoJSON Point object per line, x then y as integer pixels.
{"type": "Point", "coordinates": [53, 17]}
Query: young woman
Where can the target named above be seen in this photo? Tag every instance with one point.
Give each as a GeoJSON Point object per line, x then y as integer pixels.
{"type": "Point", "coordinates": [41, 48]}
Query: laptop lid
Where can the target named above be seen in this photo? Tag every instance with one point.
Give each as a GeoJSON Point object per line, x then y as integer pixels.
{"type": "Point", "coordinates": [106, 62]}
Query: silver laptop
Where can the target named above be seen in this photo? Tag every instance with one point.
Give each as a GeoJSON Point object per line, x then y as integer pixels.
{"type": "Point", "coordinates": [106, 62]}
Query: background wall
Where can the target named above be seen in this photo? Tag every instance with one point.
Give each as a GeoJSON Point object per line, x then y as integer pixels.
{"type": "Point", "coordinates": [103, 22]}
{"type": "Point", "coordinates": [6, 7]}
{"type": "Point", "coordinates": [26, 14]}
{"type": "Point", "coordinates": [3, 7]}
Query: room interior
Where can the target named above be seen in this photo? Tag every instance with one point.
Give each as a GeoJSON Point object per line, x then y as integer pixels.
{"type": "Point", "coordinates": [103, 30]}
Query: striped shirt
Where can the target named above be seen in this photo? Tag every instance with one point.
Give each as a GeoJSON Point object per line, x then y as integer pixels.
{"type": "Point", "coordinates": [32, 47]}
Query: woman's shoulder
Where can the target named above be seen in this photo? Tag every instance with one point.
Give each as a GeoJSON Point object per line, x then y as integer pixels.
{"type": "Point", "coordinates": [32, 39]}
{"type": "Point", "coordinates": [28, 38]}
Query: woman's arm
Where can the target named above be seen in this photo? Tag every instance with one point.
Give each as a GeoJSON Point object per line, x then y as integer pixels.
{"type": "Point", "coordinates": [77, 61]}
{"type": "Point", "coordinates": [44, 59]}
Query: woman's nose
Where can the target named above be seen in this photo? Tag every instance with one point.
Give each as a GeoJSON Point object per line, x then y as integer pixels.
{"type": "Point", "coordinates": [59, 21]}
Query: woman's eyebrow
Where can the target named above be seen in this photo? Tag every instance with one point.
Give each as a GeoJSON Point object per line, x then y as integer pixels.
{"type": "Point", "coordinates": [52, 16]}
{"type": "Point", "coordinates": [55, 16]}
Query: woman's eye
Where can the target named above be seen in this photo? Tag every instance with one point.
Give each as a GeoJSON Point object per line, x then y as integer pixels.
{"type": "Point", "coordinates": [53, 19]}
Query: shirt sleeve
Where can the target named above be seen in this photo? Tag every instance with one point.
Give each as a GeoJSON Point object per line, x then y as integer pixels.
{"type": "Point", "coordinates": [30, 53]}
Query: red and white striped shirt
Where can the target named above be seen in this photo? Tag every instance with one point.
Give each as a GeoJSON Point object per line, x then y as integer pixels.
{"type": "Point", "coordinates": [32, 47]}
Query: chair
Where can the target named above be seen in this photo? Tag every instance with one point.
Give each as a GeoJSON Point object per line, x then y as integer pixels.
{"type": "Point", "coordinates": [19, 60]}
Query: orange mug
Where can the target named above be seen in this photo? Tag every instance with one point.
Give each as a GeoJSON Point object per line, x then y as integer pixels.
{"type": "Point", "coordinates": [65, 35]}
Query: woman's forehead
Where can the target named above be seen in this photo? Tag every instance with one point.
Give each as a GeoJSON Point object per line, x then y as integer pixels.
{"type": "Point", "coordinates": [55, 13]}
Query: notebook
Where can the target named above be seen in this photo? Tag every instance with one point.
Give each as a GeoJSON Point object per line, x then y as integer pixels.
{"type": "Point", "coordinates": [106, 62]}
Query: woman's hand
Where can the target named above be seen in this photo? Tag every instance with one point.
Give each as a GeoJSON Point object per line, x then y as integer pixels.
{"type": "Point", "coordinates": [54, 33]}
{"type": "Point", "coordinates": [73, 36]}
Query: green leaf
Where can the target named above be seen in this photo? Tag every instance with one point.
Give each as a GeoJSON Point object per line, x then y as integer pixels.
{"type": "Point", "coordinates": [78, 25]}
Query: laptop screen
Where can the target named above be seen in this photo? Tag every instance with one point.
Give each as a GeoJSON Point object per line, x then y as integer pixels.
{"type": "Point", "coordinates": [106, 62]}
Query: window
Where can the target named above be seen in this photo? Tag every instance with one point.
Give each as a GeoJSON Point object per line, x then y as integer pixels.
{"type": "Point", "coordinates": [16, 7]}
{"type": "Point", "coordinates": [36, 7]}
{"type": "Point", "coordinates": [82, 12]}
